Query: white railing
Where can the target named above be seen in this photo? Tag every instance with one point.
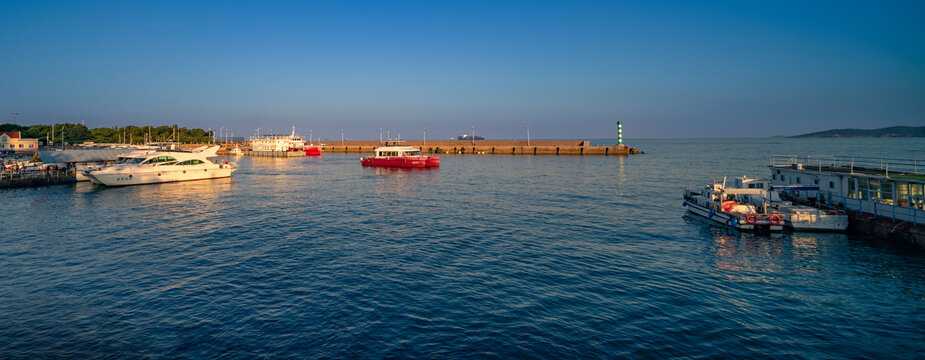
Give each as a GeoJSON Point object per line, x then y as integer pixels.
{"type": "Point", "coordinates": [877, 209]}
{"type": "Point", "coordinates": [828, 162]}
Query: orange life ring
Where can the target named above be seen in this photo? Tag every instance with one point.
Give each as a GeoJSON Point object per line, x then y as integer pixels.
{"type": "Point", "coordinates": [774, 219]}
{"type": "Point", "coordinates": [751, 218]}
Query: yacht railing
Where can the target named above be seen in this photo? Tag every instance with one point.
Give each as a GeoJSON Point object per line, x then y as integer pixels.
{"type": "Point", "coordinates": [851, 164]}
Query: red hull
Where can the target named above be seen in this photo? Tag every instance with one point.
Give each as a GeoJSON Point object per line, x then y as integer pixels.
{"type": "Point", "coordinates": [415, 162]}
{"type": "Point", "coordinates": [312, 151]}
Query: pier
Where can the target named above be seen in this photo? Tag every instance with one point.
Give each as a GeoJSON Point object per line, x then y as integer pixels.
{"type": "Point", "coordinates": [885, 198]}
{"type": "Point", "coordinates": [19, 179]}
{"type": "Point", "coordinates": [490, 147]}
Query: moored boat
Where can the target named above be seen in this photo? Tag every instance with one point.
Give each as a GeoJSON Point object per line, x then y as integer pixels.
{"type": "Point", "coordinates": [400, 156]}
{"type": "Point", "coordinates": [162, 166]}
{"type": "Point", "coordinates": [311, 150]}
{"type": "Point", "coordinates": [798, 217]}
{"type": "Point", "coordinates": [717, 204]}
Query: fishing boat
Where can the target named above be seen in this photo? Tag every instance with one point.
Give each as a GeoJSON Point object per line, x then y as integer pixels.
{"type": "Point", "coordinates": [162, 166]}
{"type": "Point", "coordinates": [400, 156]}
{"type": "Point", "coordinates": [796, 216]}
{"type": "Point", "coordinates": [718, 204]}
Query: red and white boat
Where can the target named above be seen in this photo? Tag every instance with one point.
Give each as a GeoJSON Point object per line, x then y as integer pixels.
{"type": "Point", "coordinates": [400, 156]}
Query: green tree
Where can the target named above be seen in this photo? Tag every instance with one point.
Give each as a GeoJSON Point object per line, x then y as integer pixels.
{"type": "Point", "coordinates": [11, 127]}
{"type": "Point", "coordinates": [103, 135]}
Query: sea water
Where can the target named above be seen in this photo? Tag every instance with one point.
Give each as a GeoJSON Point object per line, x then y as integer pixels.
{"type": "Point", "coordinates": [485, 257]}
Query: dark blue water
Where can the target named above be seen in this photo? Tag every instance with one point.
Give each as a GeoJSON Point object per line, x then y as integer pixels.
{"type": "Point", "coordinates": [485, 257]}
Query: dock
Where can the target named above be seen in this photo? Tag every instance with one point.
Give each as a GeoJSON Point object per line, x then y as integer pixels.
{"type": "Point", "coordinates": [884, 198]}
{"type": "Point", "coordinates": [36, 178]}
{"type": "Point", "coordinates": [489, 147]}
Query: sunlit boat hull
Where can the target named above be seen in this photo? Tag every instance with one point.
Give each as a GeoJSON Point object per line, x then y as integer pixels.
{"type": "Point", "coordinates": [128, 177]}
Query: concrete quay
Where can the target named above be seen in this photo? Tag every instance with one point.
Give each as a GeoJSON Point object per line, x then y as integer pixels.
{"type": "Point", "coordinates": [490, 147]}
{"type": "Point", "coordinates": [885, 228]}
{"type": "Point", "coordinates": [37, 178]}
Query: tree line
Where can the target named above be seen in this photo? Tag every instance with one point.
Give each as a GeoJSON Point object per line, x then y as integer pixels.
{"type": "Point", "coordinates": [78, 133]}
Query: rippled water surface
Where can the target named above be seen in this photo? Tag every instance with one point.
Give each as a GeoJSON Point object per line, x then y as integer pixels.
{"type": "Point", "coordinates": [487, 256]}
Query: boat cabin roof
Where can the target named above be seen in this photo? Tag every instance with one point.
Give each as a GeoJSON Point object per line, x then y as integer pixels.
{"type": "Point", "coordinates": [397, 151]}
{"type": "Point", "coordinates": [397, 148]}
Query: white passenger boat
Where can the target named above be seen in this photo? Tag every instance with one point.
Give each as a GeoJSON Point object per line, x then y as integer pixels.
{"type": "Point", "coordinates": [718, 204]}
{"type": "Point", "coordinates": [152, 167]}
{"type": "Point", "coordinates": [797, 217]}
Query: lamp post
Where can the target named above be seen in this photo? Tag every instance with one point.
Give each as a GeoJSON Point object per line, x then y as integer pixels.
{"type": "Point", "coordinates": [341, 137]}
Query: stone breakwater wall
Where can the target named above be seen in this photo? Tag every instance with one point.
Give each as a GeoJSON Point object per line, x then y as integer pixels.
{"type": "Point", "coordinates": [492, 147]}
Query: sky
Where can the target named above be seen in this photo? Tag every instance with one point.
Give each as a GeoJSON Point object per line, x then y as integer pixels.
{"type": "Point", "coordinates": [566, 69]}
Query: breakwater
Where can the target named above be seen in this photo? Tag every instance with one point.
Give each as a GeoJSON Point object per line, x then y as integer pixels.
{"type": "Point", "coordinates": [490, 147]}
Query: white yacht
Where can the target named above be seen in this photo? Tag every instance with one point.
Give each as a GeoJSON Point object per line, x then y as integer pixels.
{"type": "Point", "coordinates": [152, 167]}
{"type": "Point", "coordinates": [798, 217]}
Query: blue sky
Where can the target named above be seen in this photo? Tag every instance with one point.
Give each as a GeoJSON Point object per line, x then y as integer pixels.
{"type": "Point", "coordinates": [569, 69]}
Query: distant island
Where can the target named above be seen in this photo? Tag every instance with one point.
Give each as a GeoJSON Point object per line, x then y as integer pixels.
{"type": "Point", "coordinates": [893, 131]}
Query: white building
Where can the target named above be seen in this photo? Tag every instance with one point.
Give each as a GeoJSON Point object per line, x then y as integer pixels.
{"type": "Point", "coordinates": [12, 140]}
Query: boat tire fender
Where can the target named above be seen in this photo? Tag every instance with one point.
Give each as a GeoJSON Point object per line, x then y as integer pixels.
{"type": "Point", "coordinates": [712, 212]}
{"type": "Point", "coordinates": [832, 212]}
{"type": "Point", "coordinates": [751, 218]}
{"type": "Point", "coordinates": [684, 203]}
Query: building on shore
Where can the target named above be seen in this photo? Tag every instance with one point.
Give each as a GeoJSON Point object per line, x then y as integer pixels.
{"type": "Point", "coordinates": [13, 141]}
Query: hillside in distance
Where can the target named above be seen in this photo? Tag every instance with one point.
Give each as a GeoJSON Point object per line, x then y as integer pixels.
{"type": "Point", "coordinates": [893, 131]}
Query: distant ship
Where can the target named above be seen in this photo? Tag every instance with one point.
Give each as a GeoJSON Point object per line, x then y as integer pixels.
{"type": "Point", "coordinates": [470, 137]}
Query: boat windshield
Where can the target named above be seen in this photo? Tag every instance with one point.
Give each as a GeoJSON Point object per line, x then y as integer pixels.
{"type": "Point", "coordinates": [130, 160]}
{"type": "Point", "coordinates": [413, 153]}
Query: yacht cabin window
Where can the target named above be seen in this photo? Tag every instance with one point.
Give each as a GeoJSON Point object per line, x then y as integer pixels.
{"type": "Point", "coordinates": [159, 159]}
